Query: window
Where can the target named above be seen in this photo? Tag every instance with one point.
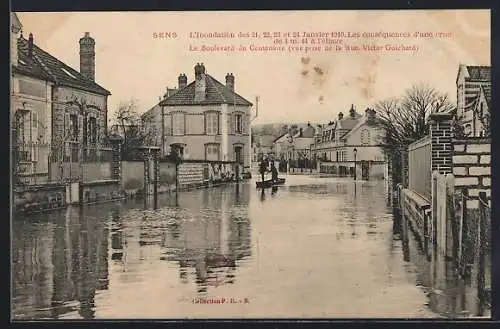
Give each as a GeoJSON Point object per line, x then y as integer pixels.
{"type": "Point", "coordinates": [212, 123]}
{"type": "Point", "coordinates": [178, 124]}
{"type": "Point", "coordinates": [68, 73]}
{"type": "Point", "coordinates": [365, 137]}
{"type": "Point", "coordinates": [238, 123]}
{"type": "Point", "coordinates": [212, 152]}
{"type": "Point", "coordinates": [92, 131]}
{"type": "Point", "coordinates": [74, 127]}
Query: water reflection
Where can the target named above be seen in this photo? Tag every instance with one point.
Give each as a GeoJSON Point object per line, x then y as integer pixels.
{"type": "Point", "coordinates": [448, 294]}
{"type": "Point", "coordinates": [213, 240]}
{"type": "Point", "coordinates": [59, 260]}
{"type": "Point", "coordinates": [359, 257]}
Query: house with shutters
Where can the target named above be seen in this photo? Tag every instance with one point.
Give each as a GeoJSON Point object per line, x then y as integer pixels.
{"type": "Point", "coordinates": [352, 142]}
{"type": "Point", "coordinates": [60, 113]}
{"type": "Point", "coordinates": [206, 120]}
{"type": "Point", "coordinates": [474, 99]}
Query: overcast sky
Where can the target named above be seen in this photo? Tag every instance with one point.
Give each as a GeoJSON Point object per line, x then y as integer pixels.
{"type": "Point", "coordinates": [132, 64]}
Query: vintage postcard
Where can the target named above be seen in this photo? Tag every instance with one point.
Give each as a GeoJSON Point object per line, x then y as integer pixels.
{"type": "Point", "coordinates": [250, 164]}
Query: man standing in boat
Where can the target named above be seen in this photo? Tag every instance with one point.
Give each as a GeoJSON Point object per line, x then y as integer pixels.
{"type": "Point", "coordinates": [263, 167]}
{"type": "Point", "coordinates": [274, 172]}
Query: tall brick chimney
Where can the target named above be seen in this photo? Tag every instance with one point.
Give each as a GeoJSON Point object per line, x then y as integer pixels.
{"type": "Point", "coordinates": [182, 80]}
{"type": "Point", "coordinates": [87, 56]}
{"type": "Point", "coordinates": [230, 81]}
{"type": "Point", "coordinates": [200, 88]}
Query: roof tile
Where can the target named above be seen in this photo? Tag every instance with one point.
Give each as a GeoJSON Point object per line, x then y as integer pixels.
{"type": "Point", "coordinates": [481, 73]}
{"type": "Point", "coordinates": [217, 93]}
{"type": "Point", "coordinates": [53, 69]}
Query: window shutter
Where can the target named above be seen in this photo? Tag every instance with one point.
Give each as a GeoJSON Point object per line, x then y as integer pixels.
{"type": "Point", "coordinates": [79, 127]}
{"type": "Point", "coordinates": [205, 124]}
{"type": "Point", "coordinates": [218, 123]}
{"type": "Point", "coordinates": [244, 124]}
{"type": "Point", "coordinates": [231, 119]}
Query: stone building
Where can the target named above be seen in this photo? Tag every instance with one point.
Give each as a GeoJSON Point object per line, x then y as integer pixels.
{"type": "Point", "coordinates": [59, 128]}
{"type": "Point", "coordinates": [78, 114]}
{"type": "Point", "coordinates": [30, 111]}
{"type": "Point", "coordinates": [205, 120]}
{"type": "Point", "coordinates": [353, 142]}
{"type": "Point", "coordinates": [474, 98]}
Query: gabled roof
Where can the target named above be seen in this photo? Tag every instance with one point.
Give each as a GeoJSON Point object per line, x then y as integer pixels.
{"type": "Point", "coordinates": [15, 21]}
{"type": "Point", "coordinates": [217, 93]}
{"type": "Point", "coordinates": [479, 73]}
{"type": "Point", "coordinates": [53, 69]}
{"type": "Point", "coordinates": [348, 122]}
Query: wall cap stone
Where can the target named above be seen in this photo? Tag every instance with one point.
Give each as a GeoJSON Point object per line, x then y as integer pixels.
{"type": "Point", "coordinates": [441, 116]}
{"type": "Point", "coordinates": [472, 140]}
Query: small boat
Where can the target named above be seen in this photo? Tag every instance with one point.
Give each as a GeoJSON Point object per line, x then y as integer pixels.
{"type": "Point", "coordinates": [270, 183]}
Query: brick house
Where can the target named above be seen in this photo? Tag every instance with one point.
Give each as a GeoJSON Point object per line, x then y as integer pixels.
{"type": "Point", "coordinates": [473, 98]}
{"type": "Point", "coordinates": [206, 120]}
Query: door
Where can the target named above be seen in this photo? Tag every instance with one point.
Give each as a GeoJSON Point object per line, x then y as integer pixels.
{"type": "Point", "coordinates": [238, 154]}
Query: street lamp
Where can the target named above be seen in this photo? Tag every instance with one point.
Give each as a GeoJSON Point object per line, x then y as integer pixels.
{"type": "Point", "coordinates": [355, 153]}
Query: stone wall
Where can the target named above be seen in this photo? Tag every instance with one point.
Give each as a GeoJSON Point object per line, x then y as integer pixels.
{"type": "Point", "coordinates": [94, 171]}
{"type": "Point", "coordinates": [132, 176]}
{"type": "Point", "coordinates": [472, 167]}
{"type": "Point", "coordinates": [100, 191]}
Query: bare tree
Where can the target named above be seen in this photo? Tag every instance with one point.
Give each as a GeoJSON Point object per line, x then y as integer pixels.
{"type": "Point", "coordinates": [127, 116]}
{"type": "Point", "coordinates": [128, 121]}
{"type": "Point", "coordinates": [406, 119]}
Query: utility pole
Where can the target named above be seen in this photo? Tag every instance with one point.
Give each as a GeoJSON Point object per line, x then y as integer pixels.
{"type": "Point", "coordinates": [250, 130]}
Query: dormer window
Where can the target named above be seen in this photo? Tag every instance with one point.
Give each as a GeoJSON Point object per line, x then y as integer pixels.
{"type": "Point", "coordinates": [68, 73]}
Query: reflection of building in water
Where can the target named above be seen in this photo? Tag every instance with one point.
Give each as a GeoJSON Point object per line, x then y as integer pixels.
{"type": "Point", "coordinates": [59, 265]}
{"type": "Point", "coordinates": [209, 246]}
{"type": "Point", "coordinates": [32, 270]}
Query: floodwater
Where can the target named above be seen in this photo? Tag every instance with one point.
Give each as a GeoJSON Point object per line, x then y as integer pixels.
{"type": "Point", "coordinates": [314, 248]}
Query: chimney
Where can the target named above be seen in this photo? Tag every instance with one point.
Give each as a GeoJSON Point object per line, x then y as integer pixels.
{"type": "Point", "coordinates": [182, 81]}
{"type": "Point", "coordinates": [341, 116]}
{"type": "Point", "coordinates": [352, 111]}
{"type": "Point", "coordinates": [87, 56]}
{"type": "Point", "coordinates": [230, 81]}
{"type": "Point", "coordinates": [370, 114]}
{"type": "Point", "coordinates": [200, 89]}
{"type": "Point", "coordinates": [30, 45]}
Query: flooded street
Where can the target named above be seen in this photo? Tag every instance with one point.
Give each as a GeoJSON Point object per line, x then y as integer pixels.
{"type": "Point", "coordinates": [315, 247]}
